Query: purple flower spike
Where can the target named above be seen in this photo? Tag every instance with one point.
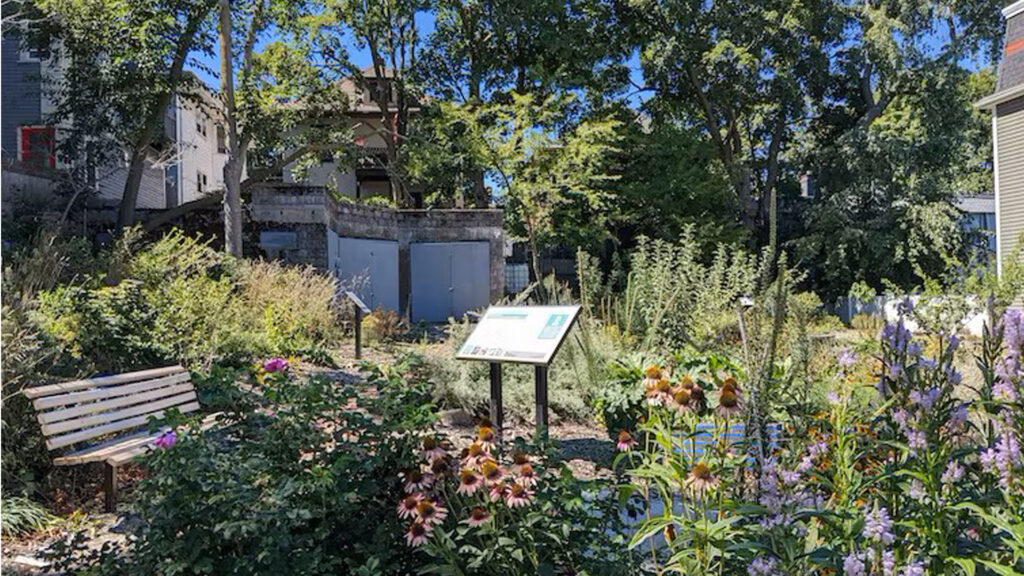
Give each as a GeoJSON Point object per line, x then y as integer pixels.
{"type": "Point", "coordinates": [165, 440]}
{"type": "Point", "coordinates": [847, 358]}
{"type": "Point", "coordinates": [275, 364]}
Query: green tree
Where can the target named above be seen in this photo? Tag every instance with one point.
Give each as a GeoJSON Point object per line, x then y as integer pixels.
{"type": "Point", "coordinates": [120, 62]}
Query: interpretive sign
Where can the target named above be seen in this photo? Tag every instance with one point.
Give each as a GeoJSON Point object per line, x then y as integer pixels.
{"type": "Point", "coordinates": [522, 334]}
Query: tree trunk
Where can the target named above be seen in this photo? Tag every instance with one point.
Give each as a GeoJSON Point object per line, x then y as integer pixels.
{"type": "Point", "coordinates": [236, 156]}
{"type": "Point", "coordinates": [154, 120]}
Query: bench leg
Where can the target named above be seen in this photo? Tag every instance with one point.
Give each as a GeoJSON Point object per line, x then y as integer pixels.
{"type": "Point", "coordinates": [109, 487]}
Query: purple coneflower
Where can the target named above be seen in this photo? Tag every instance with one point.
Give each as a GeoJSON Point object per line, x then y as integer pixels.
{"type": "Point", "coordinates": [625, 442]}
{"type": "Point", "coordinates": [728, 402]}
{"type": "Point", "coordinates": [407, 506]}
{"type": "Point", "coordinates": [701, 479]}
{"type": "Point", "coordinates": [518, 495]}
{"type": "Point", "coordinates": [475, 454]}
{"type": "Point", "coordinates": [165, 440]}
{"type": "Point", "coordinates": [526, 475]}
{"type": "Point", "coordinates": [432, 448]}
{"type": "Point", "coordinates": [498, 491]}
{"type": "Point", "coordinates": [429, 512]}
{"type": "Point", "coordinates": [491, 472]}
{"type": "Point", "coordinates": [469, 482]}
{"type": "Point", "coordinates": [417, 534]}
{"type": "Point", "coordinates": [519, 459]}
{"type": "Point", "coordinates": [485, 436]}
{"type": "Point", "coordinates": [417, 481]}
{"type": "Point", "coordinates": [477, 516]}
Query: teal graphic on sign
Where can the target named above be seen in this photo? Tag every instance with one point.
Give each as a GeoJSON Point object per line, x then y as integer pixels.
{"type": "Point", "coordinates": [553, 327]}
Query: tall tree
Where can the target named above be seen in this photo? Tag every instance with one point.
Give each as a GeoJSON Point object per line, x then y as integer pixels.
{"type": "Point", "coordinates": [277, 96]}
{"type": "Point", "coordinates": [121, 62]}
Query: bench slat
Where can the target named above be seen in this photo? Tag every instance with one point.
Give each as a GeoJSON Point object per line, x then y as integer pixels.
{"type": "Point", "coordinates": [82, 409]}
{"type": "Point", "coordinates": [64, 387]}
{"type": "Point", "coordinates": [54, 442]}
{"type": "Point", "coordinates": [110, 392]}
{"type": "Point", "coordinates": [106, 449]}
{"type": "Point", "coordinates": [93, 420]}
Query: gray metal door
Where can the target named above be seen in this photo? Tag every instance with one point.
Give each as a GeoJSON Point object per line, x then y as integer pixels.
{"type": "Point", "coordinates": [368, 267]}
{"type": "Point", "coordinates": [448, 279]}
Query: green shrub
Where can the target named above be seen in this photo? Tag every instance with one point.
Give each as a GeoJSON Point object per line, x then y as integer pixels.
{"type": "Point", "coordinates": [620, 402]}
{"type": "Point", "coordinates": [306, 484]}
{"type": "Point", "coordinates": [295, 301]}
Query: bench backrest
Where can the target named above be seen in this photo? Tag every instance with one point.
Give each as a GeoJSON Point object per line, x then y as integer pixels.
{"type": "Point", "coordinates": [83, 410]}
{"type": "Point", "coordinates": [736, 435]}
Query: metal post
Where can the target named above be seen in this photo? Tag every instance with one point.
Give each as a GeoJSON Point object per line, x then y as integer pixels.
{"type": "Point", "coordinates": [109, 487]}
{"type": "Point", "coordinates": [497, 413]}
{"type": "Point", "coordinates": [541, 393]}
{"type": "Point", "coordinates": [359, 330]}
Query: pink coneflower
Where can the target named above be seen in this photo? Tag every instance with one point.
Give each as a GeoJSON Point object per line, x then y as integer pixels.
{"type": "Point", "coordinates": [417, 534]}
{"type": "Point", "coordinates": [526, 475]}
{"type": "Point", "coordinates": [165, 440]}
{"type": "Point", "coordinates": [701, 479]}
{"type": "Point", "coordinates": [681, 399]}
{"type": "Point", "coordinates": [429, 512]}
{"type": "Point", "coordinates": [441, 466]}
{"type": "Point", "coordinates": [475, 454]}
{"type": "Point", "coordinates": [498, 491]}
{"type": "Point", "coordinates": [518, 495]}
{"type": "Point", "coordinates": [491, 471]}
{"type": "Point", "coordinates": [728, 402]}
{"type": "Point", "coordinates": [407, 506]}
{"type": "Point", "coordinates": [275, 364]}
{"type": "Point", "coordinates": [469, 482]}
{"type": "Point", "coordinates": [485, 436]}
{"type": "Point", "coordinates": [477, 516]}
{"type": "Point", "coordinates": [416, 481]}
{"type": "Point", "coordinates": [432, 448]}
{"type": "Point", "coordinates": [625, 442]}
{"type": "Point", "coordinates": [652, 372]}
{"type": "Point", "coordinates": [660, 393]}
{"type": "Point", "coordinates": [519, 459]}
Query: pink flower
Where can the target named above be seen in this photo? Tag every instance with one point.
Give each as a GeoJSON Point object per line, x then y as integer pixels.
{"type": "Point", "coordinates": [417, 534]}
{"type": "Point", "coordinates": [407, 507]}
{"type": "Point", "coordinates": [625, 441]}
{"type": "Point", "coordinates": [165, 440]}
{"type": "Point", "coordinates": [429, 512]}
{"type": "Point", "coordinates": [518, 495]}
{"type": "Point", "coordinates": [469, 482]}
{"type": "Point", "coordinates": [477, 516]}
{"type": "Point", "coordinates": [275, 364]}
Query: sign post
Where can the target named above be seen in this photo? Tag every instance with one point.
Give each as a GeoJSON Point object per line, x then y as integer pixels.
{"type": "Point", "coordinates": [358, 310]}
{"type": "Point", "coordinates": [521, 335]}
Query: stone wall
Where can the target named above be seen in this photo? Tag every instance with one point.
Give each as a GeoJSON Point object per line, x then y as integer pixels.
{"type": "Point", "coordinates": [292, 221]}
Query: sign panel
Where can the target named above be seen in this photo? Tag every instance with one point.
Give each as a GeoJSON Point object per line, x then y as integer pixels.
{"type": "Point", "coordinates": [524, 334]}
{"type": "Point", "coordinates": [357, 301]}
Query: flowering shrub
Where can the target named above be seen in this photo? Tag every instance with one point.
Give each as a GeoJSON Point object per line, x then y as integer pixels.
{"type": "Point", "coordinates": [304, 484]}
{"type": "Point", "coordinates": [487, 511]}
{"type": "Point", "coordinates": [912, 473]}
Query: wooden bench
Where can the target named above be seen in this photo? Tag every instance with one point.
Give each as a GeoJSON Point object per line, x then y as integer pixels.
{"type": "Point", "coordinates": [105, 419]}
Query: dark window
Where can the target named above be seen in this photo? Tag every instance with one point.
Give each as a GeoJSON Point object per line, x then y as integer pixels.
{"type": "Point", "coordinates": [200, 181]}
{"type": "Point", "coordinates": [221, 139]}
{"type": "Point", "coordinates": [38, 146]}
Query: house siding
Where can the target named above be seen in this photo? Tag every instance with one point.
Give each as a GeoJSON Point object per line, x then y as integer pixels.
{"type": "Point", "coordinates": [1009, 126]}
{"type": "Point", "coordinates": [21, 96]}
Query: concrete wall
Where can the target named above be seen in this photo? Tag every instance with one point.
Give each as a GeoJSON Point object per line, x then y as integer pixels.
{"type": "Point", "coordinates": [309, 211]}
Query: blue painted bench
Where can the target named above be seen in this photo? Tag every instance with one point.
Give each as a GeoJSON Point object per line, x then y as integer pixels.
{"type": "Point", "coordinates": [735, 436]}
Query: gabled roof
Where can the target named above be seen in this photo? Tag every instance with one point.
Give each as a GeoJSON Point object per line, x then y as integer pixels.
{"type": "Point", "coordinates": [1010, 83]}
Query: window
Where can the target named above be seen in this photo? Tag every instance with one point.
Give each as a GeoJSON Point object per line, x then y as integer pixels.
{"type": "Point", "coordinates": [200, 181]}
{"type": "Point", "coordinates": [200, 125]}
{"type": "Point", "coordinates": [37, 146]}
{"type": "Point", "coordinates": [34, 54]}
{"type": "Point", "coordinates": [221, 139]}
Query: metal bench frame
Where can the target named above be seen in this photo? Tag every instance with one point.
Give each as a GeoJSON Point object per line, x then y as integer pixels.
{"type": "Point", "coordinates": [105, 419]}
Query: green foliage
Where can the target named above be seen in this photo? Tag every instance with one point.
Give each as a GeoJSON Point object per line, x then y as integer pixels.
{"type": "Point", "coordinates": [305, 484]}
{"type": "Point", "coordinates": [19, 516]}
{"type": "Point", "coordinates": [619, 401]}
{"type": "Point", "coordinates": [182, 301]}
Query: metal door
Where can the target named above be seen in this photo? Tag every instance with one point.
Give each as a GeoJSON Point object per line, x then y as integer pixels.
{"type": "Point", "coordinates": [448, 279]}
{"type": "Point", "coordinates": [368, 267]}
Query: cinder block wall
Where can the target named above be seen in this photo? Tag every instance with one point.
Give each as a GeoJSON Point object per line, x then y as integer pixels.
{"type": "Point", "coordinates": [310, 211]}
